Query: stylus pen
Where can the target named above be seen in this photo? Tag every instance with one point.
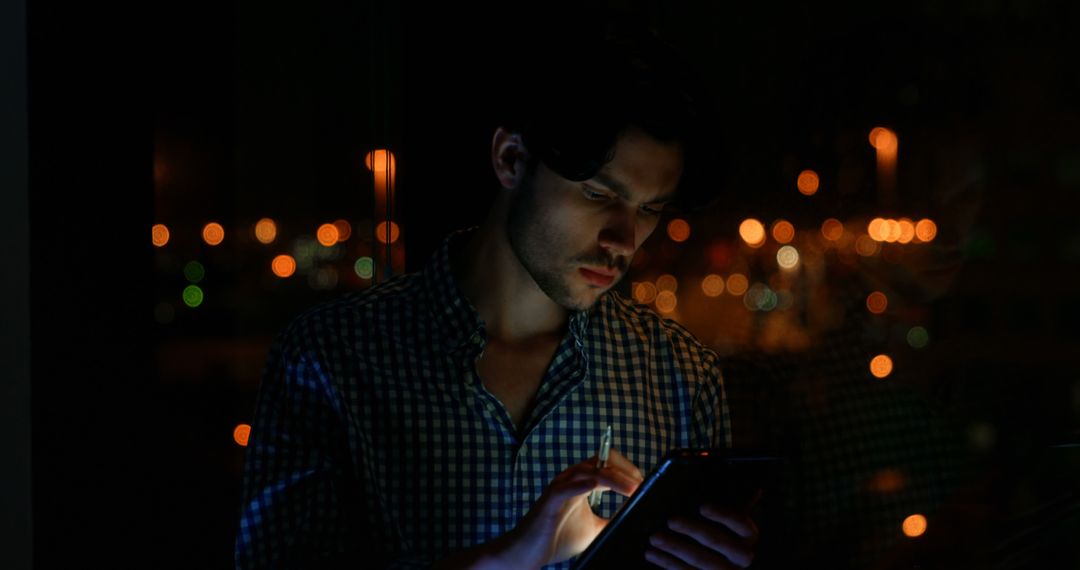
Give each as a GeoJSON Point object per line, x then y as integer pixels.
{"type": "Point", "coordinates": [602, 457]}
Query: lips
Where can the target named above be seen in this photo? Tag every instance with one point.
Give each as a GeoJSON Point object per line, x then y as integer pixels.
{"type": "Point", "coordinates": [599, 277]}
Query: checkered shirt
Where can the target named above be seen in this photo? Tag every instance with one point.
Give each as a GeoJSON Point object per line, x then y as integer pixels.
{"type": "Point", "coordinates": [375, 443]}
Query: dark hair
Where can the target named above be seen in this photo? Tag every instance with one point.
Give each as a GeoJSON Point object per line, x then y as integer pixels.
{"type": "Point", "coordinates": [582, 85]}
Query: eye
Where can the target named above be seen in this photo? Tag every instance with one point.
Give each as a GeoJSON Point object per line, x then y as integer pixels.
{"type": "Point", "coordinates": [593, 194]}
{"type": "Point", "coordinates": [655, 212]}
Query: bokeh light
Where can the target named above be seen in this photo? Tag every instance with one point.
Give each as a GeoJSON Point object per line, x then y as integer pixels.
{"type": "Point", "coordinates": [380, 232]}
{"type": "Point", "coordinates": [645, 292]}
{"type": "Point", "coordinates": [865, 246]}
{"type": "Point", "coordinates": [787, 257]}
{"type": "Point", "coordinates": [890, 231]}
{"type": "Point", "coordinates": [194, 271]}
{"type": "Point", "coordinates": [917, 337]}
{"type": "Point", "coordinates": [914, 526]}
{"type": "Point", "coordinates": [832, 229]}
{"type": "Point", "coordinates": [737, 284]}
{"type": "Point", "coordinates": [666, 301]}
{"type": "Point", "coordinates": [193, 296]}
{"type": "Point", "coordinates": [712, 285]}
{"type": "Point", "coordinates": [283, 266]}
{"type": "Point", "coordinates": [883, 139]}
{"type": "Point", "coordinates": [925, 230]}
{"type": "Point", "coordinates": [344, 229]}
{"type": "Point", "coordinates": [240, 434]}
{"type": "Point", "coordinates": [678, 230]}
{"type": "Point", "coordinates": [265, 231]}
{"type": "Point", "coordinates": [667, 282]}
{"type": "Point", "coordinates": [159, 234]}
{"type": "Point", "coordinates": [213, 233]}
{"type": "Point", "coordinates": [752, 232]}
{"type": "Point", "coordinates": [808, 182]}
{"type": "Point", "coordinates": [881, 366]}
{"type": "Point", "coordinates": [380, 160]}
{"type": "Point", "coordinates": [877, 302]}
{"type": "Point", "coordinates": [783, 231]}
{"type": "Point", "coordinates": [327, 234]}
{"type": "Point", "coordinates": [875, 229]}
{"type": "Point", "coordinates": [907, 230]}
{"type": "Point", "coordinates": [325, 278]}
{"type": "Point", "coordinates": [364, 267]}
{"type": "Point", "coordinates": [759, 297]}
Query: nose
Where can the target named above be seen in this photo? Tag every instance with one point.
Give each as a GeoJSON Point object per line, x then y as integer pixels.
{"type": "Point", "coordinates": [618, 233]}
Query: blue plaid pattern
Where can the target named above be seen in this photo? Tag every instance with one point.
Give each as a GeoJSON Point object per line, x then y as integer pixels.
{"type": "Point", "coordinates": [375, 443]}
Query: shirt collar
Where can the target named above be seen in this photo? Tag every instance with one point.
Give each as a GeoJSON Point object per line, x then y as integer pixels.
{"type": "Point", "coordinates": [458, 321]}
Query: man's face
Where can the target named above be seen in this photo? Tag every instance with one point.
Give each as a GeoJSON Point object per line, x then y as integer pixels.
{"type": "Point", "coordinates": [577, 239]}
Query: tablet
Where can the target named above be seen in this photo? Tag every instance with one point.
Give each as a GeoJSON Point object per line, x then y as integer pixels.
{"type": "Point", "coordinates": [682, 481]}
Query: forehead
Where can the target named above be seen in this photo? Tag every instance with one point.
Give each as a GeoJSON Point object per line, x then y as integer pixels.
{"type": "Point", "coordinates": [642, 168]}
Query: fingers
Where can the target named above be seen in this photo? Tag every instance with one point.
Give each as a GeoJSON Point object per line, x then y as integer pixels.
{"type": "Point", "coordinates": [619, 461]}
{"type": "Point", "coordinates": [738, 550]}
{"type": "Point", "coordinates": [738, 522]}
{"type": "Point", "coordinates": [678, 551]}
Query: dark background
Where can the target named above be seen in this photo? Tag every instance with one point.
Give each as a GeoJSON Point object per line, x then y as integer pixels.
{"type": "Point", "coordinates": [186, 113]}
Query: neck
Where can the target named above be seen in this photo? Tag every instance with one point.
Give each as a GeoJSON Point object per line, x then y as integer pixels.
{"type": "Point", "coordinates": [513, 307]}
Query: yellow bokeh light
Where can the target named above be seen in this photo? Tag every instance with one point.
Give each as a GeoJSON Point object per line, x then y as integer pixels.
{"type": "Point", "coordinates": [737, 284]}
{"type": "Point", "coordinates": [907, 230]}
{"type": "Point", "coordinates": [808, 182]}
{"type": "Point", "coordinates": [752, 232]}
{"type": "Point", "coordinates": [667, 282]}
{"type": "Point", "coordinates": [832, 229]}
{"type": "Point", "coordinates": [666, 301]}
{"type": "Point", "coordinates": [881, 366]}
{"type": "Point", "coordinates": [783, 231]}
{"type": "Point", "coordinates": [645, 292]}
{"type": "Point", "coordinates": [213, 233]}
{"type": "Point", "coordinates": [865, 246]}
{"type": "Point", "coordinates": [159, 234]}
{"type": "Point", "coordinates": [712, 285]}
{"type": "Point", "coordinates": [265, 230]}
{"type": "Point", "coordinates": [344, 229]}
{"type": "Point", "coordinates": [381, 230]}
{"type": "Point", "coordinates": [380, 160]}
{"type": "Point", "coordinates": [883, 139]}
{"type": "Point", "coordinates": [925, 230]}
{"type": "Point", "coordinates": [787, 257]}
{"type": "Point", "coordinates": [678, 230]}
{"type": "Point", "coordinates": [283, 266]}
{"type": "Point", "coordinates": [327, 234]}
{"type": "Point", "coordinates": [240, 434]}
{"type": "Point", "coordinates": [914, 525]}
{"type": "Point", "coordinates": [877, 302]}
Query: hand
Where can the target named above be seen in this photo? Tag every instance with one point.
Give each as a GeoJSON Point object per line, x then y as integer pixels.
{"type": "Point", "coordinates": [561, 524]}
{"type": "Point", "coordinates": [719, 538]}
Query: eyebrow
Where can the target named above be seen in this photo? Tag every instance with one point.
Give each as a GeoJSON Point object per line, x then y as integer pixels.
{"type": "Point", "coordinates": [620, 189]}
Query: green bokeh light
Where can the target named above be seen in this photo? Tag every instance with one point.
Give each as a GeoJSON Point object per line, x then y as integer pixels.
{"type": "Point", "coordinates": [917, 337]}
{"type": "Point", "coordinates": [365, 267]}
{"type": "Point", "coordinates": [194, 271]}
{"type": "Point", "coordinates": [193, 296]}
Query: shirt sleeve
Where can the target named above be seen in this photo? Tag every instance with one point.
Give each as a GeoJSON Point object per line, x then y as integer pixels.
{"type": "Point", "coordinates": [712, 421]}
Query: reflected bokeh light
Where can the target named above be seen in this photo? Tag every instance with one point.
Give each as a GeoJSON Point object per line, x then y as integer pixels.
{"type": "Point", "coordinates": [380, 160]}
{"type": "Point", "coordinates": [883, 139]}
{"type": "Point", "coordinates": [381, 232]}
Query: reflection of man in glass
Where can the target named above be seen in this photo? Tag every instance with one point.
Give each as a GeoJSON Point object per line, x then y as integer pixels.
{"type": "Point", "coordinates": [449, 416]}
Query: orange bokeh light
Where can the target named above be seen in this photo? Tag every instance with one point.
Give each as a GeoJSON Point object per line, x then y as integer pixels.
{"type": "Point", "coordinates": [344, 229]}
{"type": "Point", "coordinates": [666, 301]}
{"type": "Point", "coordinates": [380, 232]}
{"type": "Point", "coordinates": [752, 232]}
{"type": "Point", "coordinates": [907, 230]}
{"type": "Point", "coordinates": [914, 526]}
{"type": "Point", "coordinates": [283, 266]}
{"type": "Point", "coordinates": [213, 233]}
{"type": "Point", "coordinates": [877, 302]}
{"type": "Point", "coordinates": [808, 182]}
{"type": "Point", "coordinates": [327, 234]}
{"type": "Point", "coordinates": [783, 231]}
{"type": "Point", "coordinates": [881, 366]}
{"type": "Point", "coordinates": [925, 230]}
{"type": "Point", "coordinates": [865, 246]}
{"type": "Point", "coordinates": [876, 229]}
{"type": "Point", "coordinates": [832, 229]}
{"type": "Point", "coordinates": [737, 284]}
{"type": "Point", "coordinates": [240, 434]}
{"type": "Point", "coordinates": [712, 285]}
{"type": "Point", "coordinates": [883, 139]}
{"type": "Point", "coordinates": [678, 230]}
{"type": "Point", "coordinates": [890, 231]}
{"type": "Point", "coordinates": [645, 292]}
{"type": "Point", "coordinates": [667, 282]}
{"type": "Point", "coordinates": [159, 234]}
{"type": "Point", "coordinates": [380, 160]}
{"type": "Point", "coordinates": [265, 230]}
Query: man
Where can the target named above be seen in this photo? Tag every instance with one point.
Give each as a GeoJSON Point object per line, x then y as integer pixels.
{"type": "Point", "coordinates": [449, 417]}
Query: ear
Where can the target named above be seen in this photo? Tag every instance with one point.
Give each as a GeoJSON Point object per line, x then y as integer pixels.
{"type": "Point", "coordinates": [509, 157]}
